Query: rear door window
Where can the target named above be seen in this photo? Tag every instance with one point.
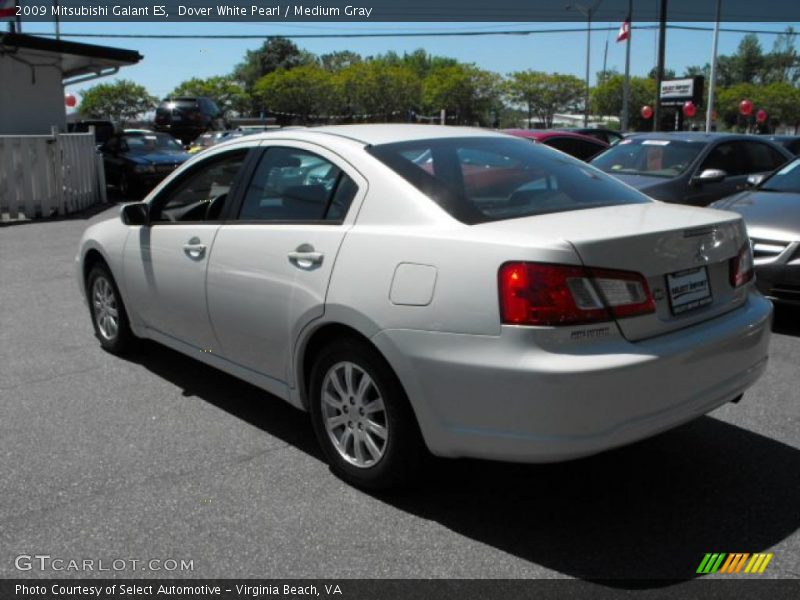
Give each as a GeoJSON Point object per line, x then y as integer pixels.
{"type": "Point", "coordinates": [291, 185]}
{"type": "Point", "coordinates": [763, 158]}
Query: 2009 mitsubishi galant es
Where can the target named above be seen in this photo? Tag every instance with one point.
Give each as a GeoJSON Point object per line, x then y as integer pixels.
{"type": "Point", "coordinates": [435, 288]}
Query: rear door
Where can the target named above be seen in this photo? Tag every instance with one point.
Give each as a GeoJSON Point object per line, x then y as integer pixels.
{"type": "Point", "coordinates": [268, 274]}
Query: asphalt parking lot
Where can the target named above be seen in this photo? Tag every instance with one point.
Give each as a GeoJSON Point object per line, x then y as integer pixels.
{"type": "Point", "coordinates": [159, 457]}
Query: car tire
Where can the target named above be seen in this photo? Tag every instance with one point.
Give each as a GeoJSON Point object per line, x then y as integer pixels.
{"type": "Point", "coordinates": [367, 428]}
{"type": "Point", "coordinates": [109, 317]}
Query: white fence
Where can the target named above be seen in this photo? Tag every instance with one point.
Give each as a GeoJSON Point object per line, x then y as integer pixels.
{"type": "Point", "coordinates": [49, 175]}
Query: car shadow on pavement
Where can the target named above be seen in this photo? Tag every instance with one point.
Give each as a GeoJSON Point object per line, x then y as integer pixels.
{"type": "Point", "coordinates": [637, 517]}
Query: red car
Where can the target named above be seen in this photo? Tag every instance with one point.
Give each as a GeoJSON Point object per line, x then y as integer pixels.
{"type": "Point", "coordinates": [580, 146]}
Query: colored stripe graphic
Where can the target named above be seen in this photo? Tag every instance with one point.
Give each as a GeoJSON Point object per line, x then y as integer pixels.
{"type": "Point", "coordinates": [734, 563]}
{"type": "Point", "coordinates": [758, 563]}
{"type": "Point", "coordinates": [722, 562]}
{"type": "Point", "coordinates": [711, 563]}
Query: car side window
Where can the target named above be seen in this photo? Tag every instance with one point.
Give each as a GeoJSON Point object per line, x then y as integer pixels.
{"type": "Point", "coordinates": [763, 158]}
{"type": "Point", "coordinates": [296, 185]}
{"type": "Point", "coordinates": [582, 149]}
{"type": "Point", "coordinates": [202, 192]}
{"type": "Point", "coordinates": [729, 157]}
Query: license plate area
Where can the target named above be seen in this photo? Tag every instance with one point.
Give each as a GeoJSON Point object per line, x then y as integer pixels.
{"type": "Point", "coordinates": [688, 290]}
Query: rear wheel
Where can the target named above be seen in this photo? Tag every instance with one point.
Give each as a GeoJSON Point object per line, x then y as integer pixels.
{"type": "Point", "coordinates": [110, 320]}
{"type": "Point", "coordinates": [362, 418]}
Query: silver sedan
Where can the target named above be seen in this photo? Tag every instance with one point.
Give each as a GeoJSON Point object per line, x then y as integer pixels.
{"type": "Point", "coordinates": [426, 289]}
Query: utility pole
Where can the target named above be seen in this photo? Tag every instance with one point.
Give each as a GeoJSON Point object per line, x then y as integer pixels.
{"type": "Point", "coordinates": [626, 91]}
{"type": "Point", "coordinates": [662, 39]}
{"type": "Point", "coordinates": [712, 84]}
{"type": "Point", "coordinates": [588, 12]}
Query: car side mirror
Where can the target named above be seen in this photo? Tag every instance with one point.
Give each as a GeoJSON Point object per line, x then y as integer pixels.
{"type": "Point", "coordinates": [137, 213]}
{"type": "Point", "coordinates": [709, 176]}
{"type": "Point", "coordinates": [755, 179]}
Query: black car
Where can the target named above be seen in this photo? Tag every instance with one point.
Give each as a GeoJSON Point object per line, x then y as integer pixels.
{"type": "Point", "coordinates": [790, 142]}
{"type": "Point", "coordinates": [609, 136]}
{"type": "Point", "coordinates": [188, 117]}
{"type": "Point", "coordinates": [690, 167]}
{"type": "Point", "coordinates": [103, 129]}
{"type": "Point", "coordinates": [135, 161]}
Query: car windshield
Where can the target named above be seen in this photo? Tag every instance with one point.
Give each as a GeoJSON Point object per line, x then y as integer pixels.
{"type": "Point", "coordinates": [477, 180]}
{"type": "Point", "coordinates": [786, 179]}
{"type": "Point", "coordinates": [152, 142]}
{"type": "Point", "coordinates": [656, 158]}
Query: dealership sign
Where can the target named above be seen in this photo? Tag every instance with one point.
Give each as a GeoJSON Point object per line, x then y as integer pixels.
{"type": "Point", "coordinates": [678, 91]}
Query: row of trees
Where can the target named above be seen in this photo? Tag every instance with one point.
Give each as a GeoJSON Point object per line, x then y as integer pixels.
{"type": "Point", "coordinates": [280, 78]}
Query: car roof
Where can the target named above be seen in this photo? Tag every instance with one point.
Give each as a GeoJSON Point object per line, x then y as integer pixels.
{"type": "Point", "coordinates": [544, 134]}
{"type": "Point", "coordinates": [692, 136]}
{"type": "Point", "coordinates": [381, 133]}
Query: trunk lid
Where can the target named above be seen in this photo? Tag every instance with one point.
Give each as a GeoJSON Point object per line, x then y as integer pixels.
{"type": "Point", "coordinates": [674, 247]}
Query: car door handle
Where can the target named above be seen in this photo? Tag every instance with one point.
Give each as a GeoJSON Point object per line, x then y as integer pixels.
{"type": "Point", "coordinates": [305, 257]}
{"type": "Point", "coordinates": [194, 249]}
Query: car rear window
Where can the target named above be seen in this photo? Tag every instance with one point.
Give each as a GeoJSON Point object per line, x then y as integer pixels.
{"type": "Point", "coordinates": [477, 180]}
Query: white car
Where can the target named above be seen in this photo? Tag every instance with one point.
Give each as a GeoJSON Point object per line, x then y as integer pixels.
{"type": "Point", "coordinates": [420, 288]}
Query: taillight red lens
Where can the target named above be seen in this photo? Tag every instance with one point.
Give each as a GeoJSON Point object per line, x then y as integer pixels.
{"type": "Point", "coordinates": [546, 294]}
{"type": "Point", "coordinates": [741, 266]}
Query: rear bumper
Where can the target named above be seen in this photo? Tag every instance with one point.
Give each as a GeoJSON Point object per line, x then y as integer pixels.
{"type": "Point", "coordinates": [521, 396]}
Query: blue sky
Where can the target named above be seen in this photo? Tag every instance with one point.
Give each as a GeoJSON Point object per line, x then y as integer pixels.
{"type": "Point", "coordinates": [168, 62]}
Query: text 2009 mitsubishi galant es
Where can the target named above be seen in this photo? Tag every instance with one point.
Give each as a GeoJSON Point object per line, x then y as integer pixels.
{"type": "Point", "coordinates": [435, 288]}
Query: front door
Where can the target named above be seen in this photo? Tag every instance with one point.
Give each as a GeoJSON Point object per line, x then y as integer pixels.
{"type": "Point", "coordinates": [166, 262]}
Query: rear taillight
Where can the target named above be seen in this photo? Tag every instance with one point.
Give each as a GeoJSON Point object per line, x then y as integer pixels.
{"type": "Point", "coordinates": [545, 294]}
{"type": "Point", "coordinates": [741, 266]}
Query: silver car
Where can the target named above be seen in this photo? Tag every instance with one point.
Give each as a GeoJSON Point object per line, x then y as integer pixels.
{"type": "Point", "coordinates": [772, 213]}
{"type": "Point", "coordinates": [498, 299]}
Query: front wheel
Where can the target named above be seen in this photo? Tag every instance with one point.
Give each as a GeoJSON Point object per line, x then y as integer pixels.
{"type": "Point", "coordinates": [109, 317]}
{"type": "Point", "coordinates": [362, 418]}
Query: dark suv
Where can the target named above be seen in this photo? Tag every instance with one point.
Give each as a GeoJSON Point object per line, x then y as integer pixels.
{"type": "Point", "coordinates": [187, 117]}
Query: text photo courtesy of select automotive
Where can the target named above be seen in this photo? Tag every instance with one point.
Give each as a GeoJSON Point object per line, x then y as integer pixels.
{"type": "Point", "coordinates": [322, 295]}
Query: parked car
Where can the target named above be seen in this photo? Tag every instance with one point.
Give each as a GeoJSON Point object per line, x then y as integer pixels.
{"type": "Point", "coordinates": [772, 213]}
{"type": "Point", "coordinates": [103, 129]}
{"type": "Point", "coordinates": [136, 160]}
{"type": "Point", "coordinates": [187, 117]}
{"type": "Point", "coordinates": [690, 167]}
{"type": "Point", "coordinates": [205, 141]}
{"type": "Point", "coordinates": [574, 144]}
{"type": "Point", "coordinates": [790, 142]}
{"type": "Point", "coordinates": [540, 313]}
{"type": "Point", "coordinates": [609, 136]}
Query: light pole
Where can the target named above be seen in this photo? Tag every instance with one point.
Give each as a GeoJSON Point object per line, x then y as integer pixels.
{"type": "Point", "coordinates": [588, 11]}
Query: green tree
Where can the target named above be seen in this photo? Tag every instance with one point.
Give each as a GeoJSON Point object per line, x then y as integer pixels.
{"type": "Point", "coordinates": [339, 60]}
{"type": "Point", "coordinates": [381, 91]}
{"type": "Point", "coordinates": [606, 99]}
{"type": "Point", "coordinates": [223, 90]}
{"type": "Point", "coordinates": [464, 91]}
{"type": "Point", "coordinates": [783, 63]}
{"type": "Point", "coordinates": [303, 91]}
{"type": "Point", "coordinates": [121, 101]}
{"type": "Point", "coordinates": [545, 94]}
{"type": "Point", "coordinates": [276, 53]}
